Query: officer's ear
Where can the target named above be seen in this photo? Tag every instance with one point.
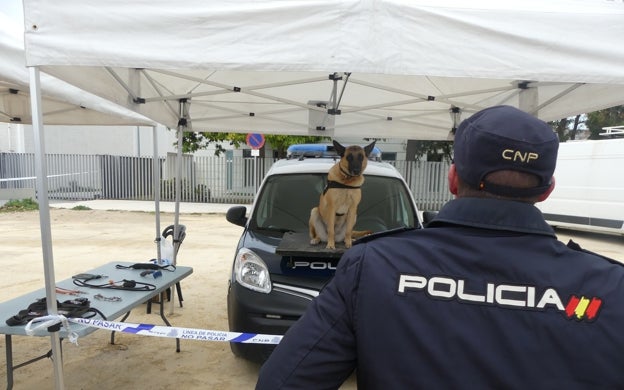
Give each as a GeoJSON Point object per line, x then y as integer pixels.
{"type": "Point", "coordinates": [550, 189]}
{"type": "Point", "coordinates": [452, 179]}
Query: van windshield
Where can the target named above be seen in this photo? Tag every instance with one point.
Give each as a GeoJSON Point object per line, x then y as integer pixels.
{"type": "Point", "coordinates": [285, 202]}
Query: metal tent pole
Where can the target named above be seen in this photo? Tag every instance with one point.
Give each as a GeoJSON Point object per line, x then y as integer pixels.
{"type": "Point", "coordinates": [44, 219]}
{"type": "Point", "coordinates": [156, 184]}
{"type": "Point", "coordinates": [528, 98]}
{"type": "Point", "coordinates": [182, 124]}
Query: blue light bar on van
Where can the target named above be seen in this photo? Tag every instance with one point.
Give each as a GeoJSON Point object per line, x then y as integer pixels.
{"type": "Point", "coordinates": [322, 150]}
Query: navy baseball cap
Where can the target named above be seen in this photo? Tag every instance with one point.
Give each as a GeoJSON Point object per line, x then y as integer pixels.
{"type": "Point", "coordinates": [505, 138]}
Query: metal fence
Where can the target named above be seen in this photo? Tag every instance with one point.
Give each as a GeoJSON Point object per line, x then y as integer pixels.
{"type": "Point", "coordinates": [204, 179]}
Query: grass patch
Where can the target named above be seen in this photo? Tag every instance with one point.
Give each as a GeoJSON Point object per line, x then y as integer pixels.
{"type": "Point", "coordinates": [81, 207]}
{"type": "Point", "coordinates": [19, 205]}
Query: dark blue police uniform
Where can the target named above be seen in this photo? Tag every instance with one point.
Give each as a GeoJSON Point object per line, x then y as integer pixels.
{"type": "Point", "coordinates": [485, 297]}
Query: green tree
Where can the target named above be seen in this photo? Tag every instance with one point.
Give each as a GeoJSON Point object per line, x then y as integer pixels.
{"type": "Point", "coordinates": [567, 128]}
{"type": "Point", "coordinates": [280, 143]}
{"type": "Point", "coordinates": [596, 120]}
{"type": "Point", "coordinates": [193, 142]}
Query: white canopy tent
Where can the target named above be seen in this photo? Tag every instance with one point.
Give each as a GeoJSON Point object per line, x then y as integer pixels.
{"type": "Point", "coordinates": [63, 103]}
{"type": "Point", "coordinates": [59, 103]}
{"type": "Point", "coordinates": [370, 68]}
{"type": "Point", "coordinates": [376, 68]}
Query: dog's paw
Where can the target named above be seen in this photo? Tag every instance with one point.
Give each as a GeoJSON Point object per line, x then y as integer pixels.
{"type": "Point", "coordinates": [331, 245]}
{"type": "Point", "coordinates": [315, 241]}
{"type": "Point", "coordinates": [347, 244]}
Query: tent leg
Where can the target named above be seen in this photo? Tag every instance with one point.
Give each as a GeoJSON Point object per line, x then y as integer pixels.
{"type": "Point", "coordinates": [44, 217]}
{"type": "Point", "coordinates": [528, 100]}
{"type": "Point", "coordinates": [156, 184]}
{"type": "Point", "coordinates": [184, 107]}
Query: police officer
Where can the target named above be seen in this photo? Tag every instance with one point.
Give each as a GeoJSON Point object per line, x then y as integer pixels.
{"type": "Point", "coordinates": [485, 297]}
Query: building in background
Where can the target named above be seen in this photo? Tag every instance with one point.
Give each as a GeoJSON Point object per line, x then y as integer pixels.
{"type": "Point", "coordinates": [136, 141]}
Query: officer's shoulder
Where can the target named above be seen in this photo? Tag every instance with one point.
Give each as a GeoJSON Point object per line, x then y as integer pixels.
{"type": "Point", "coordinates": [385, 233]}
{"type": "Point", "coordinates": [576, 247]}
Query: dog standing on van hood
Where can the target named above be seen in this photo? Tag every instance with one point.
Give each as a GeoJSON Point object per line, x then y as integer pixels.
{"type": "Point", "coordinates": [334, 218]}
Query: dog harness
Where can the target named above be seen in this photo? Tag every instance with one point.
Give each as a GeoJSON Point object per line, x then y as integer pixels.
{"type": "Point", "coordinates": [337, 184]}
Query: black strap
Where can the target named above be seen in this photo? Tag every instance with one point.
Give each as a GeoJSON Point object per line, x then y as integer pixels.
{"type": "Point", "coordinates": [337, 184]}
{"type": "Point", "coordinates": [152, 266]}
{"type": "Point", "coordinates": [73, 308]}
{"type": "Point", "coordinates": [128, 285]}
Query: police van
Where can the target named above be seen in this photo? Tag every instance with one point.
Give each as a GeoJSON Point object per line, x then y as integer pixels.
{"type": "Point", "coordinates": [276, 272]}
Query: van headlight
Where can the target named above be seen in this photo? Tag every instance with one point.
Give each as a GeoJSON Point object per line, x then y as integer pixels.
{"type": "Point", "coordinates": [251, 271]}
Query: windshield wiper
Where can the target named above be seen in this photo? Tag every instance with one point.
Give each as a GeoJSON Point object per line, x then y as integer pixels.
{"type": "Point", "coordinates": [273, 229]}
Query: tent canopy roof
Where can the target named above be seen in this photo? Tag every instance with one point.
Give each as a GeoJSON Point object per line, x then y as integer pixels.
{"type": "Point", "coordinates": [376, 68]}
{"type": "Point", "coordinates": [63, 104]}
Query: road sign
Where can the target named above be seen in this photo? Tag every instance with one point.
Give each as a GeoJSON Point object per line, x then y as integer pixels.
{"type": "Point", "coordinates": [255, 140]}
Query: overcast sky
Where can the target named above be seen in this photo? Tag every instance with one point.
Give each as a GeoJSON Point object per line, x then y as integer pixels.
{"type": "Point", "coordinates": [12, 19]}
{"type": "Point", "coordinates": [13, 10]}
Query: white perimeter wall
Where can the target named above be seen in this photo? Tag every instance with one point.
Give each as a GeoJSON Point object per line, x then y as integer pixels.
{"type": "Point", "coordinates": [125, 140]}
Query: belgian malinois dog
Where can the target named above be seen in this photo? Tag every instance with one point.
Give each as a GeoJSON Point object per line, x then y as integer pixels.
{"type": "Point", "coordinates": [333, 220]}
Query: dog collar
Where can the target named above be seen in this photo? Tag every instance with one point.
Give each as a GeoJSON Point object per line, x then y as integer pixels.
{"type": "Point", "coordinates": [347, 174]}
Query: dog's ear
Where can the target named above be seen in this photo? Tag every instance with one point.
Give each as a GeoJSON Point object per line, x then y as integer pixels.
{"type": "Point", "coordinates": [368, 149]}
{"type": "Point", "coordinates": [339, 148]}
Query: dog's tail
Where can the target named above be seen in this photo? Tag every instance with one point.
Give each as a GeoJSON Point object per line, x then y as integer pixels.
{"type": "Point", "coordinates": [360, 233]}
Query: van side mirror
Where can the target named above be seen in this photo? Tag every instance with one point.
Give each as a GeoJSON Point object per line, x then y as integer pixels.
{"type": "Point", "coordinates": [237, 215]}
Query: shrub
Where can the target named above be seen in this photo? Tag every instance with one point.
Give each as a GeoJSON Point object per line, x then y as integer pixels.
{"type": "Point", "coordinates": [19, 205]}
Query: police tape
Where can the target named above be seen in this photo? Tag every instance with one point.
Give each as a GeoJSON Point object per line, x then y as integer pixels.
{"type": "Point", "coordinates": [153, 330]}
